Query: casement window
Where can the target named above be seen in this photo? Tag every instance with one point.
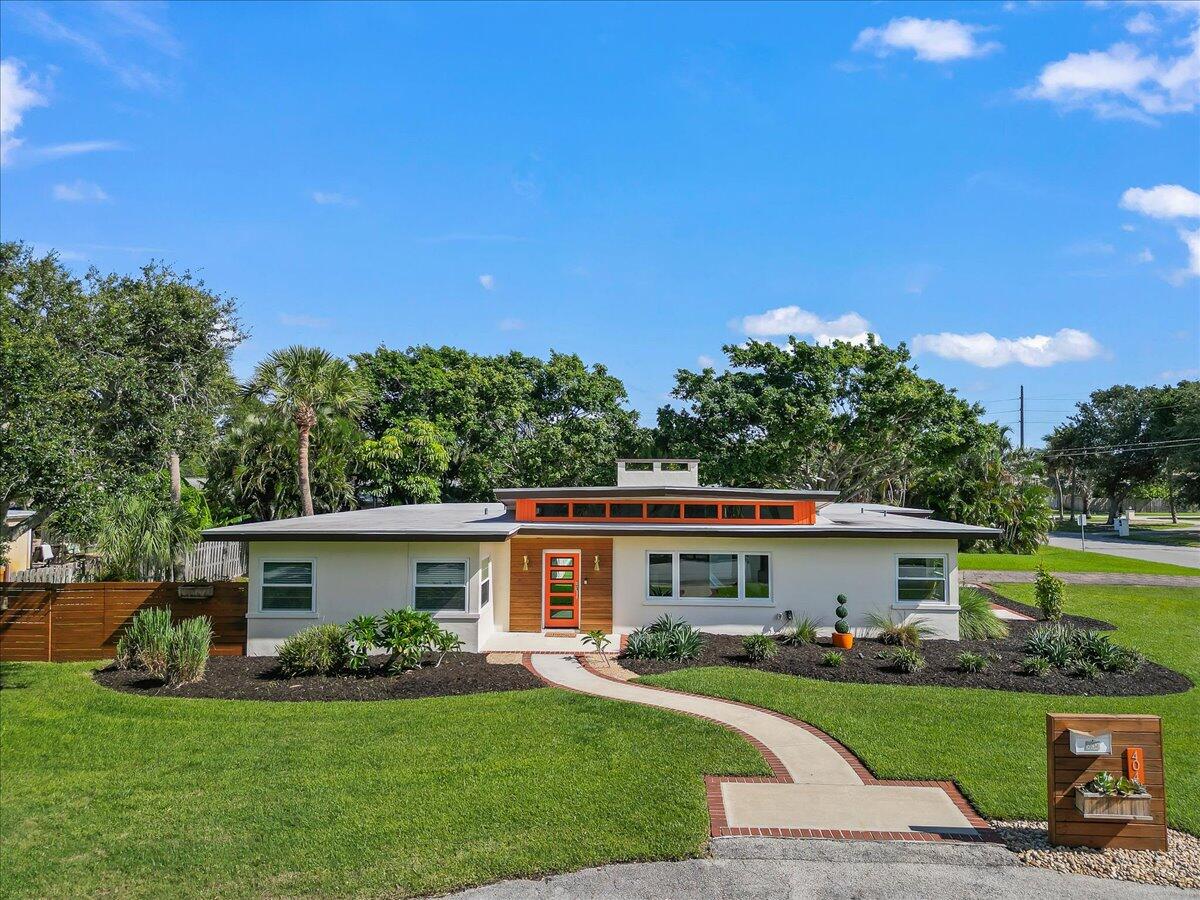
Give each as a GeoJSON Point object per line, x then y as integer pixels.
{"type": "Point", "coordinates": [288, 586]}
{"type": "Point", "coordinates": [485, 582]}
{"type": "Point", "coordinates": [440, 585]}
{"type": "Point", "coordinates": [921, 579]}
{"type": "Point", "coordinates": [708, 577]}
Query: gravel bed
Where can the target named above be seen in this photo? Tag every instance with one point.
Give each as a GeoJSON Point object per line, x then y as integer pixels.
{"type": "Point", "coordinates": [1178, 867]}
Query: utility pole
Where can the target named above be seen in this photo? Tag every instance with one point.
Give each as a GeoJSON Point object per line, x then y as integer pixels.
{"type": "Point", "coordinates": [1022, 417]}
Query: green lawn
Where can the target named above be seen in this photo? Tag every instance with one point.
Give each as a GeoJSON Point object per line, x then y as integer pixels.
{"type": "Point", "coordinates": [1058, 559]}
{"type": "Point", "coordinates": [993, 742]}
{"type": "Point", "coordinates": [109, 794]}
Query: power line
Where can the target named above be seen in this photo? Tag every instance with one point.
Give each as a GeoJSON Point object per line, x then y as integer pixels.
{"type": "Point", "coordinates": [1174, 443]}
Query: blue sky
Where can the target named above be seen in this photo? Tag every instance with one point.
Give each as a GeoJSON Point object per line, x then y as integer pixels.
{"type": "Point", "coordinates": [1010, 188]}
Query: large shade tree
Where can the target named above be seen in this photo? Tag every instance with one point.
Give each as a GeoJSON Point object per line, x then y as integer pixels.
{"type": "Point", "coordinates": [302, 384]}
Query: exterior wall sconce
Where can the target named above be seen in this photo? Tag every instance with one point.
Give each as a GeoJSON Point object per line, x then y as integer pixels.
{"type": "Point", "coordinates": [525, 563]}
{"type": "Point", "coordinates": [596, 563]}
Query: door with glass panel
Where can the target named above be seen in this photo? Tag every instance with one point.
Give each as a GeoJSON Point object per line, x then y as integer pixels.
{"type": "Point", "coordinates": [561, 588]}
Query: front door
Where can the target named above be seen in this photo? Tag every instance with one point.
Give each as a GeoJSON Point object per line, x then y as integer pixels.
{"type": "Point", "coordinates": [561, 588]}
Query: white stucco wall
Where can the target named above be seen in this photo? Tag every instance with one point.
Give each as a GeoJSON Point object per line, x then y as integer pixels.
{"type": "Point", "coordinates": [806, 577]}
{"type": "Point", "coordinates": [369, 577]}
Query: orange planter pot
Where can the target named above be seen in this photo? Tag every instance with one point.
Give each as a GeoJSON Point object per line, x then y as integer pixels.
{"type": "Point", "coordinates": [845, 641]}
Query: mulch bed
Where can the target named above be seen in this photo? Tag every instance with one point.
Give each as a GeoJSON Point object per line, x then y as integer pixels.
{"type": "Point", "coordinates": [259, 678]}
{"type": "Point", "coordinates": [866, 663]}
{"type": "Point", "coordinates": [1081, 621]}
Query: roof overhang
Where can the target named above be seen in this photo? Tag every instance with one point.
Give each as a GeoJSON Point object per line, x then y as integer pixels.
{"type": "Point", "coordinates": [508, 496]}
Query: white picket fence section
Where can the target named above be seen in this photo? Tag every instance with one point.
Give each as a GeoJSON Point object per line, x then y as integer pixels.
{"type": "Point", "coordinates": [215, 561]}
{"type": "Point", "coordinates": [211, 561]}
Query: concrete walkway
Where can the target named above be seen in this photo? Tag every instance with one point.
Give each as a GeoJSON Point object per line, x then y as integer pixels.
{"type": "Point", "coordinates": [1115, 546]}
{"type": "Point", "coordinates": [988, 576]}
{"type": "Point", "coordinates": [758, 868]}
{"type": "Point", "coordinates": [818, 785]}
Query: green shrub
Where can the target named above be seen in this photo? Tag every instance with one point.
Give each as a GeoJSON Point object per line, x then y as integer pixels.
{"type": "Point", "coordinates": [1086, 669]}
{"type": "Point", "coordinates": [1127, 661]}
{"type": "Point", "coordinates": [150, 626]}
{"type": "Point", "coordinates": [362, 635]}
{"type": "Point", "coordinates": [154, 647]}
{"type": "Point", "coordinates": [667, 638]}
{"type": "Point", "coordinates": [597, 639]}
{"type": "Point", "coordinates": [316, 650]}
{"type": "Point", "coordinates": [972, 662]}
{"type": "Point", "coordinates": [446, 641]}
{"type": "Point", "coordinates": [759, 647]}
{"type": "Point", "coordinates": [841, 626]}
{"type": "Point", "coordinates": [832, 659]}
{"type": "Point", "coordinates": [977, 621]}
{"type": "Point", "coordinates": [1068, 647]}
{"type": "Point", "coordinates": [1053, 643]}
{"type": "Point", "coordinates": [1049, 593]}
{"type": "Point", "coordinates": [899, 632]}
{"type": "Point", "coordinates": [1035, 665]}
{"type": "Point", "coordinates": [190, 642]}
{"type": "Point", "coordinates": [407, 635]}
{"type": "Point", "coordinates": [907, 660]}
{"type": "Point", "coordinates": [803, 632]}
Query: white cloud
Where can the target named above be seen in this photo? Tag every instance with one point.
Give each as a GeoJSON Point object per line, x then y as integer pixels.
{"type": "Point", "coordinates": [74, 148]}
{"type": "Point", "coordinates": [1164, 201]}
{"type": "Point", "coordinates": [510, 325]}
{"type": "Point", "coordinates": [705, 362]}
{"type": "Point", "coordinates": [1124, 82]}
{"type": "Point", "coordinates": [932, 40]}
{"type": "Point", "coordinates": [1128, 227]}
{"type": "Point", "coordinates": [332, 198]}
{"type": "Point", "coordinates": [487, 282]}
{"type": "Point", "coordinates": [1172, 375]}
{"type": "Point", "coordinates": [983, 349]}
{"type": "Point", "coordinates": [1145, 256]}
{"type": "Point", "coordinates": [18, 93]}
{"type": "Point", "coordinates": [783, 320]}
{"type": "Point", "coordinates": [1089, 248]}
{"type": "Point", "coordinates": [301, 320]}
{"type": "Point", "coordinates": [79, 191]}
{"type": "Point", "coordinates": [1191, 240]}
{"type": "Point", "coordinates": [1142, 23]}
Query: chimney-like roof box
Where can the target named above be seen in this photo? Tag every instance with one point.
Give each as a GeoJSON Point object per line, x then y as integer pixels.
{"type": "Point", "coordinates": [658, 473]}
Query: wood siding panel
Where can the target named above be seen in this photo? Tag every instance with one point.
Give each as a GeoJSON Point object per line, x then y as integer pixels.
{"type": "Point", "coordinates": [525, 585]}
{"type": "Point", "coordinates": [65, 622]}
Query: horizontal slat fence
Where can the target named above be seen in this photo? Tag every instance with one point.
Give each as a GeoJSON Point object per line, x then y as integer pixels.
{"type": "Point", "coordinates": [64, 622]}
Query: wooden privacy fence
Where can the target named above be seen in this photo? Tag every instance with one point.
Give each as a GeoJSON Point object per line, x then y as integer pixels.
{"type": "Point", "coordinates": [64, 622]}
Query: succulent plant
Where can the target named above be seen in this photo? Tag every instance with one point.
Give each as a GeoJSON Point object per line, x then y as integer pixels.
{"type": "Point", "coordinates": [1103, 783]}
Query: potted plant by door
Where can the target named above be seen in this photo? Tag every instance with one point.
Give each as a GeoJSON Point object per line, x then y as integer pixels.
{"type": "Point", "coordinates": [841, 630]}
{"type": "Point", "coordinates": [194, 590]}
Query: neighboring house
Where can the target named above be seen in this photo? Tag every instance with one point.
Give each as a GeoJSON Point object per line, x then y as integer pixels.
{"type": "Point", "coordinates": [18, 556]}
{"type": "Point", "coordinates": [547, 562]}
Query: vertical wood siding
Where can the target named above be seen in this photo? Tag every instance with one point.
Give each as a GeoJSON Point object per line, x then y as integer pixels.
{"type": "Point", "coordinates": [525, 586]}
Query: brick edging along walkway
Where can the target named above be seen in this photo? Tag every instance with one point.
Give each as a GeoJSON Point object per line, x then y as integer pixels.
{"type": "Point", "coordinates": [718, 821]}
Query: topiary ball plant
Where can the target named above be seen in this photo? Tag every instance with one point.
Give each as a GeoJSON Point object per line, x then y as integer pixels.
{"type": "Point", "coordinates": [842, 636]}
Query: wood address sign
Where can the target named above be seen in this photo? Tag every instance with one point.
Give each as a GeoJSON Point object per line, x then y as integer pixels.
{"type": "Point", "coordinates": [1080, 747]}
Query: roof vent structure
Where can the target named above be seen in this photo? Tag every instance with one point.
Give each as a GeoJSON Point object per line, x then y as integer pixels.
{"type": "Point", "coordinates": [658, 473]}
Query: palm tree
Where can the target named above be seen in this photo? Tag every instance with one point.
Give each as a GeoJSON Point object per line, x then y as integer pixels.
{"type": "Point", "coordinates": [303, 383]}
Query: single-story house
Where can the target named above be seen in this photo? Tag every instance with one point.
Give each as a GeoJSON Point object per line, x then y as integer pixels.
{"type": "Point", "coordinates": [551, 562]}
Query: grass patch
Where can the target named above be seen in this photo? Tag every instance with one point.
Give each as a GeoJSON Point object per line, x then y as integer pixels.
{"type": "Point", "coordinates": [1061, 559]}
{"type": "Point", "coordinates": [113, 794]}
{"type": "Point", "coordinates": [993, 742]}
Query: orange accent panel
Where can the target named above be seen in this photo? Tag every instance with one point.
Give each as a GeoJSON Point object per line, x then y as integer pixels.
{"type": "Point", "coordinates": [804, 511]}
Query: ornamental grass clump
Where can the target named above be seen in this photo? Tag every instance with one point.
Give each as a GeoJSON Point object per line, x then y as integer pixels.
{"type": "Point", "coordinates": [907, 660]}
{"type": "Point", "coordinates": [1084, 653]}
{"type": "Point", "coordinates": [173, 654]}
{"type": "Point", "coordinates": [972, 662]}
{"type": "Point", "coordinates": [900, 632]}
{"type": "Point", "coordinates": [316, 650]}
{"type": "Point", "coordinates": [977, 621]}
{"type": "Point", "coordinates": [759, 647]}
{"type": "Point", "coordinates": [803, 632]}
{"type": "Point", "coordinates": [1049, 592]}
{"type": "Point", "coordinates": [190, 642]}
{"type": "Point", "coordinates": [668, 639]}
{"type": "Point", "coordinates": [1037, 666]}
{"type": "Point", "coordinates": [149, 627]}
{"type": "Point", "coordinates": [832, 659]}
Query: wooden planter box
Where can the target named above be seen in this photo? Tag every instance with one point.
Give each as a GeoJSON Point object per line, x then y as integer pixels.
{"type": "Point", "coordinates": [194, 591]}
{"type": "Point", "coordinates": [1113, 808]}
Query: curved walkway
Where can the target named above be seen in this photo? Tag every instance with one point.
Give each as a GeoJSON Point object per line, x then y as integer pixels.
{"type": "Point", "coordinates": [819, 789]}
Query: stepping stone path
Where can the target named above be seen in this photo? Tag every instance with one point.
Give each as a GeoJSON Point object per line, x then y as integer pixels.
{"type": "Point", "coordinates": [819, 788]}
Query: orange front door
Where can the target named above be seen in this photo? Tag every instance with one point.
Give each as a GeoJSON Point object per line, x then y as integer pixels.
{"type": "Point", "coordinates": [561, 588]}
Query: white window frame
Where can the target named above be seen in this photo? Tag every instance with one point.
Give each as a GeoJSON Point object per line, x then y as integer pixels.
{"type": "Point", "coordinates": [485, 563]}
{"type": "Point", "coordinates": [442, 613]}
{"type": "Point", "coordinates": [944, 603]}
{"type": "Point", "coordinates": [742, 599]}
{"type": "Point", "coordinates": [310, 613]}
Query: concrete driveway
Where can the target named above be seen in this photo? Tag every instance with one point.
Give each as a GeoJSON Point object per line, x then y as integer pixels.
{"type": "Point", "coordinates": [1180, 556]}
{"type": "Point", "coordinates": [760, 868]}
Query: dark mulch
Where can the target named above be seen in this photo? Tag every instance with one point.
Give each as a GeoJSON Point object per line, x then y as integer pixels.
{"type": "Point", "coordinates": [259, 678]}
{"type": "Point", "coordinates": [1081, 621]}
{"type": "Point", "coordinates": [866, 663]}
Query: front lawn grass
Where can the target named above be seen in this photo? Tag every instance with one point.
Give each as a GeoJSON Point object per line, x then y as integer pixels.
{"type": "Point", "coordinates": [103, 793]}
{"type": "Point", "coordinates": [1061, 559]}
{"type": "Point", "coordinates": [993, 743]}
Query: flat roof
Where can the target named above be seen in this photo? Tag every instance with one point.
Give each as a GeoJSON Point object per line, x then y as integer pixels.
{"type": "Point", "coordinates": [510, 495]}
{"type": "Point", "coordinates": [496, 522]}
